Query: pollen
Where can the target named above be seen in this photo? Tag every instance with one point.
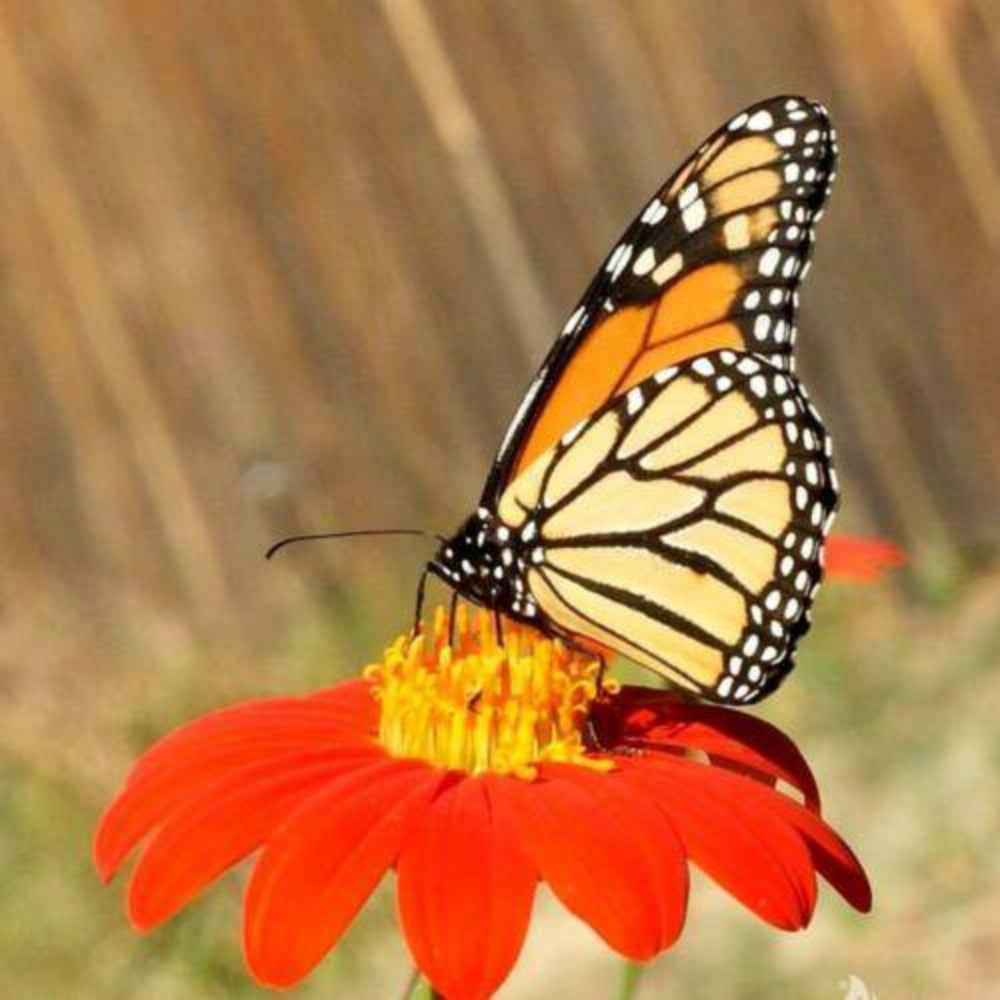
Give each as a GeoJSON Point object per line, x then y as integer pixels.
{"type": "Point", "coordinates": [471, 703]}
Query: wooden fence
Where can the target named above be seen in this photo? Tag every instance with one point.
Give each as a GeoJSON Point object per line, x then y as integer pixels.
{"type": "Point", "coordinates": [268, 266]}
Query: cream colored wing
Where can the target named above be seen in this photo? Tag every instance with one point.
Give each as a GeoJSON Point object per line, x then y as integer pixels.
{"type": "Point", "coordinates": [683, 523]}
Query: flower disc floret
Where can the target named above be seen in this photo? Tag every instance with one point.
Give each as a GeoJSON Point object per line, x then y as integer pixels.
{"type": "Point", "coordinates": [466, 702]}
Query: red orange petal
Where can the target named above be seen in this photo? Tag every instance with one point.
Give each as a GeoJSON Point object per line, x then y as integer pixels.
{"type": "Point", "coordinates": [317, 871]}
{"type": "Point", "coordinates": [607, 853]}
{"type": "Point", "coordinates": [726, 735]}
{"type": "Point", "coordinates": [214, 831]}
{"type": "Point", "coordinates": [185, 762]}
{"type": "Point", "coordinates": [353, 700]}
{"type": "Point", "coordinates": [754, 855]}
{"type": "Point", "coordinates": [157, 794]}
{"type": "Point", "coordinates": [341, 714]}
{"type": "Point", "coordinates": [861, 559]}
{"type": "Point", "coordinates": [465, 892]}
{"type": "Point", "coordinates": [833, 859]}
{"type": "Point", "coordinates": [837, 863]}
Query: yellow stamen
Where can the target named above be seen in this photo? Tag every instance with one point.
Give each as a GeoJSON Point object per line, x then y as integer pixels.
{"type": "Point", "coordinates": [477, 706]}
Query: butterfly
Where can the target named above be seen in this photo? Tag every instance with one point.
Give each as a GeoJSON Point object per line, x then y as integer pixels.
{"type": "Point", "coordinates": [665, 487]}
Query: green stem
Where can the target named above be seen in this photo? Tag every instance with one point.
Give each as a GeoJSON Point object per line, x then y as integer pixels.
{"type": "Point", "coordinates": [410, 990]}
{"type": "Point", "coordinates": [421, 989]}
{"type": "Point", "coordinates": [631, 977]}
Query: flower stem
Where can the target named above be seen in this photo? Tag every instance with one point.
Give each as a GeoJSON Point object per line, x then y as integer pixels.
{"type": "Point", "coordinates": [410, 990]}
{"type": "Point", "coordinates": [419, 988]}
{"type": "Point", "coordinates": [631, 977]}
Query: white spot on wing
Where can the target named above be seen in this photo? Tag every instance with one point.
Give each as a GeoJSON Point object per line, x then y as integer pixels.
{"type": "Point", "coordinates": [645, 262]}
{"type": "Point", "coordinates": [619, 260]}
{"type": "Point", "coordinates": [736, 232]}
{"type": "Point", "coordinates": [687, 196]}
{"type": "Point", "coordinates": [668, 269]}
{"type": "Point", "coordinates": [769, 261]}
{"type": "Point", "coordinates": [760, 120]}
{"type": "Point", "coordinates": [572, 322]}
{"type": "Point", "coordinates": [694, 216]}
{"type": "Point", "coordinates": [655, 212]}
{"type": "Point", "coordinates": [522, 410]}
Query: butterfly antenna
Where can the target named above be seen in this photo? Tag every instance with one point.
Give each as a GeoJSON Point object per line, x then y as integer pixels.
{"type": "Point", "coordinates": [292, 539]}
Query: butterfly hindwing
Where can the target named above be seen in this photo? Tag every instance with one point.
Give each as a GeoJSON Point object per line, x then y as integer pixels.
{"type": "Point", "coordinates": [713, 261]}
{"type": "Point", "coordinates": [683, 522]}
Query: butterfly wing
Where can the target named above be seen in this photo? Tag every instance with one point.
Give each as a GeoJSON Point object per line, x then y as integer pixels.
{"type": "Point", "coordinates": [682, 523]}
{"type": "Point", "coordinates": [713, 261]}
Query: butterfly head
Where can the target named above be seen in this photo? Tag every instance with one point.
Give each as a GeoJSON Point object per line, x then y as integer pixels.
{"type": "Point", "coordinates": [483, 562]}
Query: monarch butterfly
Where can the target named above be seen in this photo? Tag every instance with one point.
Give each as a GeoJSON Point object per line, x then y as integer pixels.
{"type": "Point", "coordinates": [666, 486]}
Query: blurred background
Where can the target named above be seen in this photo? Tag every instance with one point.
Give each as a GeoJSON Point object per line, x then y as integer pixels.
{"type": "Point", "coordinates": [269, 267]}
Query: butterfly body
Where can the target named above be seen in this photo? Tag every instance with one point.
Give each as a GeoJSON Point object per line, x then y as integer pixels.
{"type": "Point", "coordinates": [487, 561]}
{"type": "Point", "coordinates": [666, 486]}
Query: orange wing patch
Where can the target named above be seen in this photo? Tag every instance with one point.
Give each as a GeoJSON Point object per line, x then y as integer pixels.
{"type": "Point", "coordinates": [739, 157]}
{"type": "Point", "coordinates": [633, 343]}
{"type": "Point", "coordinates": [699, 299]}
{"type": "Point", "coordinates": [588, 381]}
{"type": "Point", "coordinates": [711, 263]}
{"type": "Point", "coordinates": [683, 347]}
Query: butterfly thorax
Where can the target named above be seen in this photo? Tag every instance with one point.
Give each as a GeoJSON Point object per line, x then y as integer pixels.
{"type": "Point", "coordinates": [486, 562]}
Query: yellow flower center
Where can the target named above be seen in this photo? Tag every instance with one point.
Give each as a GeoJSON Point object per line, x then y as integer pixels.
{"type": "Point", "coordinates": [473, 705]}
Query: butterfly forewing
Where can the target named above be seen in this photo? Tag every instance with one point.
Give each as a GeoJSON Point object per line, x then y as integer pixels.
{"type": "Point", "coordinates": [682, 523]}
{"type": "Point", "coordinates": [713, 261]}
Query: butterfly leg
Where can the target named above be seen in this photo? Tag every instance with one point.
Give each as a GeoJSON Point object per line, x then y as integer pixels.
{"type": "Point", "coordinates": [418, 612]}
{"type": "Point", "coordinates": [591, 734]}
{"type": "Point", "coordinates": [592, 738]}
{"type": "Point", "coordinates": [451, 618]}
{"type": "Point", "coordinates": [600, 675]}
{"type": "Point", "coordinates": [498, 626]}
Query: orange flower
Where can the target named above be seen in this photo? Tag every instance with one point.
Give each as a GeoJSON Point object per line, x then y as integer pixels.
{"type": "Point", "coordinates": [861, 559]}
{"type": "Point", "coordinates": [472, 770]}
